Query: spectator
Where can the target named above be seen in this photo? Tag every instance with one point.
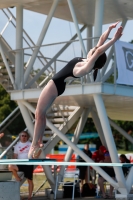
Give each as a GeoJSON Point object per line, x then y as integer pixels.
{"type": "Point", "coordinates": [21, 150]}
{"type": "Point", "coordinates": [1, 136]}
{"type": "Point", "coordinates": [83, 169]}
{"type": "Point", "coordinates": [98, 155]}
{"type": "Point", "coordinates": [124, 159]}
{"type": "Point", "coordinates": [110, 171]}
{"type": "Point", "coordinates": [5, 140]}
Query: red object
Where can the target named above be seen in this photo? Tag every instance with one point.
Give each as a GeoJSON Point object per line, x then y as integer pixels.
{"type": "Point", "coordinates": [102, 149]}
{"type": "Point", "coordinates": [38, 169]}
{"type": "Point", "coordinates": [97, 157]}
{"type": "Point", "coordinates": [58, 158]}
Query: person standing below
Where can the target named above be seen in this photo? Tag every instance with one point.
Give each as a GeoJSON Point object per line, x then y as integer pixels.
{"type": "Point", "coordinates": [83, 175]}
{"type": "Point", "coordinates": [1, 136]}
{"type": "Point", "coordinates": [98, 155]}
{"type": "Point", "coordinates": [21, 150]}
{"type": "Point", "coordinates": [124, 159]}
{"type": "Point", "coordinates": [110, 171]}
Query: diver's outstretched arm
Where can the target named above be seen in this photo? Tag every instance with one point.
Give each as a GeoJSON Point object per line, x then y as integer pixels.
{"type": "Point", "coordinates": [108, 44]}
{"type": "Point", "coordinates": [105, 35]}
{"type": "Point", "coordinates": [82, 68]}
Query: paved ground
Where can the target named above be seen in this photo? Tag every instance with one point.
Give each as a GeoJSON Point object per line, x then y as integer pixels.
{"type": "Point", "coordinates": [43, 197]}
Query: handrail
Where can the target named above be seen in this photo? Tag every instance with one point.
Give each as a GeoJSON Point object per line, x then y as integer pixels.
{"type": "Point", "coordinates": [12, 113]}
{"type": "Point", "coordinates": [9, 147]}
{"type": "Point", "coordinates": [26, 35]}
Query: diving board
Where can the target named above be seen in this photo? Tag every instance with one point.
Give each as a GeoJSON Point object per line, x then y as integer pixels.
{"type": "Point", "coordinates": [53, 162]}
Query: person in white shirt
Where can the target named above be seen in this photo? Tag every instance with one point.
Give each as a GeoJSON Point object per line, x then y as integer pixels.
{"type": "Point", "coordinates": [21, 150]}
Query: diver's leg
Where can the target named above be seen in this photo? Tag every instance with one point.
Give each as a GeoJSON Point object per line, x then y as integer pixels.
{"type": "Point", "coordinates": [48, 95]}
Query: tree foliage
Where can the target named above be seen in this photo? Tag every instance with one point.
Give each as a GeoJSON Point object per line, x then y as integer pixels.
{"type": "Point", "coordinates": [6, 107]}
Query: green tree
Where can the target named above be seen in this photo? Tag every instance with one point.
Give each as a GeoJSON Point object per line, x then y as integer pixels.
{"type": "Point", "coordinates": [6, 107]}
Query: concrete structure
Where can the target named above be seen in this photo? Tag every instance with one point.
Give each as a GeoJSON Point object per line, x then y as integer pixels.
{"type": "Point", "coordinates": [10, 190]}
{"type": "Point", "coordinates": [99, 100]}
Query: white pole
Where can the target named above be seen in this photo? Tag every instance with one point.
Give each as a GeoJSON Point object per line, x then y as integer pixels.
{"type": "Point", "coordinates": [40, 40]}
{"type": "Point", "coordinates": [26, 118]}
{"type": "Point", "coordinates": [109, 139]}
{"type": "Point", "coordinates": [99, 11]}
{"type": "Point", "coordinates": [120, 130]}
{"type": "Point", "coordinates": [129, 180]}
{"type": "Point", "coordinates": [89, 35]}
{"type": "Point", "coordinates": [77, 27]}
{"type": "Point", "coordinates": [88, 47]}
{"type": "Point", "coordinates": [7, 66]}
{"type": "Point", "coordinates": [98, 127]}
{"type": "Point", "coordinates": [76, 136]}
{"type": "Point", "coordinates": [19, 45]}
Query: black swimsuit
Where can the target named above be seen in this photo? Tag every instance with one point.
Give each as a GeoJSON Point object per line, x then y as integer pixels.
{"type": "Point", "coordinates": [67, 71]}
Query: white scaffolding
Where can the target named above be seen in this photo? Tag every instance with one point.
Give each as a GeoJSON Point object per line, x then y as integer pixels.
{"type": "Point", "coordinates": [79, 99]}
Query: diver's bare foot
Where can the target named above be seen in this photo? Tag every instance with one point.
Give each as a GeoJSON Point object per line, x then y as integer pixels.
{"type": "Point", "coordinates": [34, 152]}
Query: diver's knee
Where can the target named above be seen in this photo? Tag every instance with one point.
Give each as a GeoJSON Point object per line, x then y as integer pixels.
{"type": "Point", "coordinates": [39, 115]}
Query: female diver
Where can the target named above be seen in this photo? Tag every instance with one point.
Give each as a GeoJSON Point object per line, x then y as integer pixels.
{"type": "Point", "coordinates": [76, 68]}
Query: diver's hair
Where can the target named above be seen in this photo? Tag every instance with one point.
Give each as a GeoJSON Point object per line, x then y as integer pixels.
{"type": "Point", "coordinates": [100, 62]}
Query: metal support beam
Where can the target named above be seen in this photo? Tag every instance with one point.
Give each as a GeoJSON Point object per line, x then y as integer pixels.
{"type": "Point", "coordinates": [129, 180]}
{"type": "Point", "coordinates": [108, 74]}
{"type": "Point", "coordinates": [99, 11]}
{"type": "Point", "coordinates": [88, 47]}
{"type": "Point", "coordinates": [19, 45]}
{"type": "Point", "coordinates": [120, 130]}
{"type": "Point", "coordinates": [98, 127]}
{"type": "Point", "coordinates": [76, 136]}
{"type": "Point", "coordinates": [7, 66]}
{"type": "Point", "coordinates": [89, 35]}
{"type": "Point", "coordinates": [40, 40]}
{"type": "Point", "coordinates": [110, 141]}
{"type": "Point", "coordinates": [77, 27]}
{"type": "Point", "coordinates": [26, 118]}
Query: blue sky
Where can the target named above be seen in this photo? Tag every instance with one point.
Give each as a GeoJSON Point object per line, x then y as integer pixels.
{"type": "Point", "coordinates": [61, 28]}
{"type": "Point", "coordinates": [58, 31]}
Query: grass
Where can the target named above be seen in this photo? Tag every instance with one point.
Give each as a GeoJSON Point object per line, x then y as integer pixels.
{"type": "Point", "coordinates": [124, 152]}
{"type": "Point", "coordinates": [38, 180]}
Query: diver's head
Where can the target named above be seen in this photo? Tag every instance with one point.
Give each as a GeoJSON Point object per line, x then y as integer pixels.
{"type": "Point", "coordinates": [100, 62]}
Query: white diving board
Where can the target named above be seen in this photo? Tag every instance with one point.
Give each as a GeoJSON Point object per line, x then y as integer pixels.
{"type": "Point", "coordinates": [54, 162]}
